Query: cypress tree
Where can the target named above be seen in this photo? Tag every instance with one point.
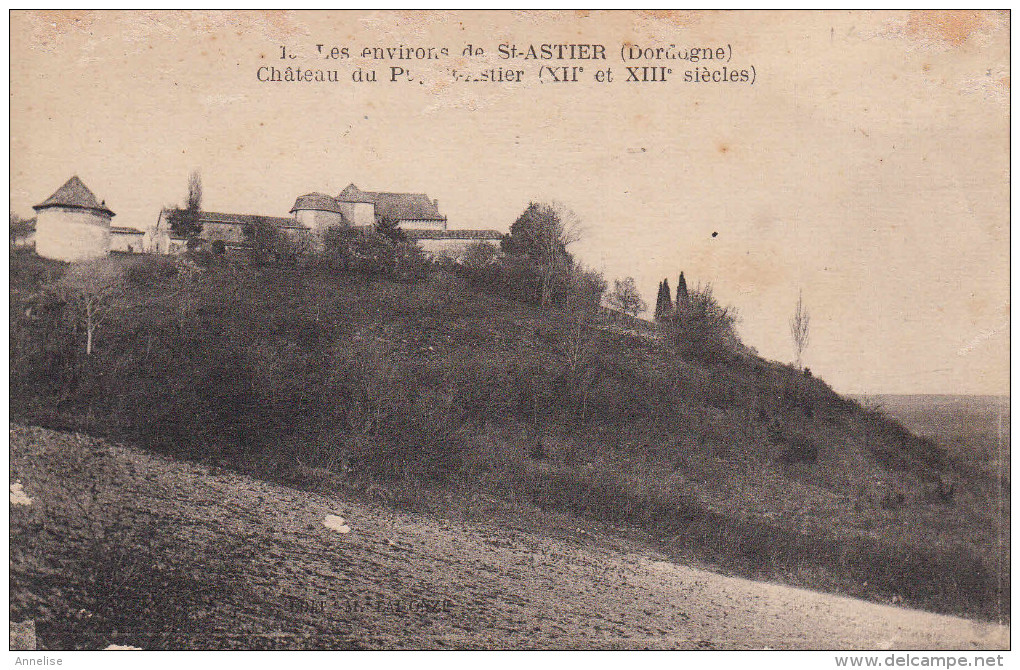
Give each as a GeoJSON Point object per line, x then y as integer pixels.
{"type": "Point", "coordinates": [667, 299]}
{"type": "Point", "coordinates": [683, 298]}
{"type": "Point", "coordinates": [658, 303]}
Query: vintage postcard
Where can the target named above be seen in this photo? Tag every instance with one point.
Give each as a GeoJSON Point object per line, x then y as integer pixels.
{"type": "Point", "coordinates": [511, 330]}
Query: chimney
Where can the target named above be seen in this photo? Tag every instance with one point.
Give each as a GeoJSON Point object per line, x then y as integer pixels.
{"type": "Point", "coordinates": [436, 203]}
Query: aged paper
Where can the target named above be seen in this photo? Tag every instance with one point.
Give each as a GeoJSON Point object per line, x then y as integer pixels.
{"type": "Point", "coordinates": [855, 161]}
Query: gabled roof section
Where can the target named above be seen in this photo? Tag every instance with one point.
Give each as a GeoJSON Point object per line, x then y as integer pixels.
{"type": "Point", "coordinates": [353, 194]}
{"type": "Point", "coordinates": [398, 206]}
{"type": "Point", "coordinates": [74, 193]}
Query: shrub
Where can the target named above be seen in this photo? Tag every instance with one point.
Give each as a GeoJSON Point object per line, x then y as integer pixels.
{"type": "Point", "coordinates": [518, 278]}
{"type": "Point", "coordinates": [370, 252]}
{"type": "Point", "coordinates": [150, 270]}
{"type": "Point", "coordinates": [359, 250]}
{"type": "Point", "coordinates": [269, 244]}
{"type": "Point", "coordinates": [703, 330]}
{"type": "Point", "coordinates": [479, 255]}
{"type": "Point", "coordinates": [410, 263]}
{"type": "Point", "coordinates": [390, 228]}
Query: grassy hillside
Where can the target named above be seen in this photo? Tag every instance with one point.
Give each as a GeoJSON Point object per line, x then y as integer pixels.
{"type": "Point", "coordinates": [438, 395]}
{"type": "Point", "coordinates": [973, 429]}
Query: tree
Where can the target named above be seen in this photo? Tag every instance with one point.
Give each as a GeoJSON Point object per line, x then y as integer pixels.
{"type": "Point", "coordinates": [362, 250]}
{"type": "Point", "coordinates": [390, 227]}
{"type": "Point", "coordinates": [664, 303]}
{"type": "Point", "coordinates": [541, 234]}
{"type": "Point", "coordinates": [271, 244]}
{"type": "Point", "coordinates": [799, 328]}
{"type": "Point", "coordinates": [186, 221]}
{"type": "Point", "coordinates": [658, 303]}
{"type": "Point", "coordinates": [683, 297]}
{"type": "Point", "coordinates": [705, 329]}
{"type": "Point", "coordinates": [90, 288]}
{"type": "Point", "coordinates": [194, 192]}
{"type": "Point", "coordinates": [626, 298]}
{"type": "Point", "coordinates": [20, 228]}
{"type": "Point", "coordinates": [580, 346]}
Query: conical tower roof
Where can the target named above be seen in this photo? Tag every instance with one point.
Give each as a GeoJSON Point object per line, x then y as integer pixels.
{"type": "Point", "coordinates": [74, 193]}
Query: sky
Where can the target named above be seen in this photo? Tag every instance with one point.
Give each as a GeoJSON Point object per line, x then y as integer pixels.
{"type": "Point", "coordinates": [867, 166]}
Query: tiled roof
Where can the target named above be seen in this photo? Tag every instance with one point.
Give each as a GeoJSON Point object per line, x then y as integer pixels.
{"type": "Point", "coordinates": [399, 206]}
{"type": "Point", "coordinates": [453, 234]}
{"type": "Point", "coordinates": [243, 219]}
{"type": "Point", "coordinates": [74, 193]}
{"type": "Point", "coordinates": [317, 201]}
{"type": "Point", "coordinates": [353, 194]}
{"type": "Point", "coordinates": [126, 231]}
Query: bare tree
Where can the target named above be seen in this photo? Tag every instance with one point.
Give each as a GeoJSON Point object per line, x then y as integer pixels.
{"type": "Point", "coordinates": [90, 288]}
{"type": "Point", "coordinates": [580, 345]}
{"type": "Point", "coordinates": [799, 328]}
{"type": "Point", "coordinates": [626, 298]}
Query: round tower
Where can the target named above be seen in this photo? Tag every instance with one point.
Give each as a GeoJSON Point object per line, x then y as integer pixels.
{"type": "Point", "coordinates": [72, 225]}
{"type": "Point", "coordinates": [317, 212]}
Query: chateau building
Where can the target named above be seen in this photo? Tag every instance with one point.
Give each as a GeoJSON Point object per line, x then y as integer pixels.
{"type": "Point", "coordinates": [415, 213]}
{"type": "Point", "coordinates": [72, 224]}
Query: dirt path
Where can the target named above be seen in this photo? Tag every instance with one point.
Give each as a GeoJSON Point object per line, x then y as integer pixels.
{"type": "Point", "coordinates": [398, 580]}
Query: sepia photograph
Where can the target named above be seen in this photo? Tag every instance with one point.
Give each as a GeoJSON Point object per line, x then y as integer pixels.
{"type": "Point", "coordinates": [510, 330]}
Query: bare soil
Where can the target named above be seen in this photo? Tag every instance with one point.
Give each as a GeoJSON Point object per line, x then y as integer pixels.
{"type": "Point", "coordinates": [125, 547]}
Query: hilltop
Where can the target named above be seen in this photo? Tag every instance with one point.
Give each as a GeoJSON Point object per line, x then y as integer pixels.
{"type": "Point", "coordinates": [434, 394]}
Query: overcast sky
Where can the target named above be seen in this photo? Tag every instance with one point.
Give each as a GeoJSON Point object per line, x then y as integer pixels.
{"type": "Point", "coordinates": [868, 165]}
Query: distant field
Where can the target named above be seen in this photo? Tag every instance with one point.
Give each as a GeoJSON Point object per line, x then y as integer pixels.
{"type": "Point", "coordinates": [974, 429]}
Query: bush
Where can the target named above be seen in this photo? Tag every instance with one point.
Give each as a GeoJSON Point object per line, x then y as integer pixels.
{"type": "Point", "coordinates": [358, 250]}
{"type": "Point", "coordinates": [518, 278]}
{"type": "Point", "coordinates": [479, 255]}
{"type": "Point", "coordinates": [370, 252]}
{"type": "Point", "coordinates": [703, 329]}
{"type": "Point", "coordinates": [410, 263]}
{"type": "Point", "coordinates": [269, 244]}
{"type": "Point", "coordinates": [150, 270]}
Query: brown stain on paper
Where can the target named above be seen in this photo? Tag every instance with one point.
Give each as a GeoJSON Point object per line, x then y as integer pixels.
{"type": "Point", "coordinates": [952, 26]}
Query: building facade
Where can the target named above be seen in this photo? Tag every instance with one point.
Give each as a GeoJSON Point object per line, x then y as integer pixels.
{"type": "Point", "coordinates": [127, 240]}
{"type": "Point", "coordinates": [224, 228]}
